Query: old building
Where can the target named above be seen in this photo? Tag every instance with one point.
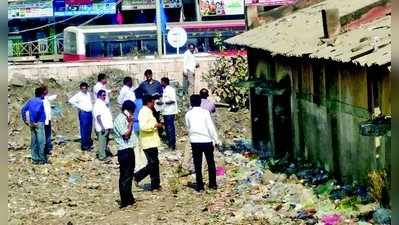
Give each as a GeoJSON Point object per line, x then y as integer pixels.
{"type": "Point", "coordinates": [321, 89]}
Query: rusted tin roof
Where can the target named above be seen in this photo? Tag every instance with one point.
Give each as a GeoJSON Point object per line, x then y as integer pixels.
{"type": "Point", "coordinates": [300, 34]}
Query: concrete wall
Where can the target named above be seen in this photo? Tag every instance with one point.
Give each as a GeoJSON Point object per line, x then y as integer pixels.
{"type": "Point", "coordinates": [169, 67]}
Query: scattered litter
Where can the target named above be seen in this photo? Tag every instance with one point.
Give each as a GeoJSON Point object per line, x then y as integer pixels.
{"type": "Point", "coordinates": [382, 216]}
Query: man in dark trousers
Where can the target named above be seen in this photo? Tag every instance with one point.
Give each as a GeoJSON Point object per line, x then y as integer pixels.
{"type": "Point", "coordinates": [150, 142]}
{"type": "Point", "coordinates": [203, 136]}
{"type": "Point", "coordinates": [126, 142]}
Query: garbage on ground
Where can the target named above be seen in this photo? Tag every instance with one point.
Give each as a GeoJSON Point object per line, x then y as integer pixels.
{"type": "Point", "coordinates": [74, 178]}
{"type": "Point", "coordinates": [220, 171]}
{"type": "Point", "coordinates": [331, 219]}
{"type": "Point", "coordinates": [251, 189]}
{"type": "Point", "coordinates": [382, 216]}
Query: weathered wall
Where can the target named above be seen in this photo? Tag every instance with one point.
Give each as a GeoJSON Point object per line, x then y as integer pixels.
{"type": "Point", "coordinates": [328, 103]}
{"type": "Point", "coordinates": [169, 67]}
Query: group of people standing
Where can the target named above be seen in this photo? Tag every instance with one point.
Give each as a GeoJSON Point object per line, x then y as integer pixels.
{"type": "Point", "coordinates": [137, 126]}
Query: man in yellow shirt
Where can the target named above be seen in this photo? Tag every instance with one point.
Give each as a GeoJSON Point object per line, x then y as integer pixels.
{"type": "Point", "coordinates": [150, 142]}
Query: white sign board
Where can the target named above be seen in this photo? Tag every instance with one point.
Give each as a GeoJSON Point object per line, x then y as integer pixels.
{"type": "Point", "coordinates": [177, 37]}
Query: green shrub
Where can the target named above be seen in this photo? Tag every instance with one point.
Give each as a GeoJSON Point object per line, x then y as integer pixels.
{"type": "Point", "coordinates": [225, 79]}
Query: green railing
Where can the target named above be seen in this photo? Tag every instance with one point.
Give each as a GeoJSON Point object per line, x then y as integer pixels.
{"type": "Point", "coordinates": [46, 46]}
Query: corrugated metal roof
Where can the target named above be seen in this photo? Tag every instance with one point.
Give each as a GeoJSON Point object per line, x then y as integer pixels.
{"type": "Point", "coordinates": [300, 34]}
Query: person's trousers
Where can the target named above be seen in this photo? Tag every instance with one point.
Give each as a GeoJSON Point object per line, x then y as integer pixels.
{"type": "Point", "coordinates": [38, 143]}
{"type": "Point", "coordinates": [86, 125]}
{"type": "Point", "coordinates": [49, 145]}
{"type": "Point", "coordinates": [152, 168]}
{"type": "Point", "coordinates": [189, 83]}
{"type": "Point", "coordinates": [126, 167]}
{"type": "Point", "coordinates": [157, 115]}
{"type": "Point", "coordinates": [103, 140]}
{"type": "Point", "coordinates": [207, 149]}
{"type": "Point", "coordinates": [170, 130]}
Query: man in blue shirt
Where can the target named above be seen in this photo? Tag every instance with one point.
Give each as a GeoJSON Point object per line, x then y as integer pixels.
{"type": "Point", "coordinates": [139, 104]}
{"type": "Point", "coordinates": [36, 115]}
{"type": "Point", "coordinates": [150, 86]}
{"type": "Point", "coordinates": [153, 88]}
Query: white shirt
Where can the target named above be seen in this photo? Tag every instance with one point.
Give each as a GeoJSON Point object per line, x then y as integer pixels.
{"type": "Point", "coordinates": [126, 93]}
{"type": "Point", "coordinates": [100, 86]}
{"type": "Point", "coordinates": [189, 61]}
{"type": "Point", "coordinates": [101, 109]}
{"type": "Point", "coordinates": [169, 94]}
{"type": "Point", "coordinates": [82, 101]}
{"type": "Point", "coordinates": [47, 107]}
{"type": "Point", "coordinates": [200, 126]}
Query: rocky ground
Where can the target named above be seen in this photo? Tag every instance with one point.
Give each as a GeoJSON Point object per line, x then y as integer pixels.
{"type": "Point", "coordinates": [78, 189]}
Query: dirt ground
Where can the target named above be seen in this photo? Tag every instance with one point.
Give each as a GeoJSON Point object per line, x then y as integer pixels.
{"type": "Point", "coordinates": [78, 189]}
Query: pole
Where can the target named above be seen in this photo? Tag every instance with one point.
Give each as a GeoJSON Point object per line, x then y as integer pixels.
{"type": "Point", "coordinates": [197, 10]}
{"type": "Point", "coordinates": [158, 19]}
{"type": "Point", "coordinates": [164, 43]}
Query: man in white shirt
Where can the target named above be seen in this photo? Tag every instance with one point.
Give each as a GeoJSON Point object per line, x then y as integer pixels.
{"type": "Point", "coordinates": [203, 136]}
{"type": "Point", "coordinates": [103, 125]}
{"type": "Point", "coordinates": [189, 65]}
{"type": "Point", "coordinates": [169, 110]}
{"type": "Point", "coordinates": [47, 123]}
{"type": "Point", "coordinates": [127, 92]}
{"type": "Point", "coordinates": [82, 101]}
{"type": "Point", "coordinates": [100, 85]}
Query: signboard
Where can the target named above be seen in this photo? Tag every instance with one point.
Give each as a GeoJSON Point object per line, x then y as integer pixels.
{"type": "Point", "coordinates": [177, 37]}
{"type": "Point", "coordinates": [30, 9]}
{"type": "Point", "coordinates": [269, 2]}
{"type": "Point", "coordinates": [221, 7]}
{"type": "Point", "coordinates": [84, 7]}
{"type": "Point", "coordinates": [149, 4]}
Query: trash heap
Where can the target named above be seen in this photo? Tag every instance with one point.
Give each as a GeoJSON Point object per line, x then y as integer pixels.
{"type": "Point", "coordinates": [297, 196]}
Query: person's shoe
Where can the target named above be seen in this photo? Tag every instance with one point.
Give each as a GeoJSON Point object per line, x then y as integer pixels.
{"type": "Point", "coordinates": [127, 205]}
{"type": "Point", "coordinates": [135, 181]}
{"type": "Point", "coordinates": [159, 188]}
{"type": "Point", "coordinates": [87, 149]}
{"type": "Point", "coordinates": [102, 159]}
{"type": "Point", "coordinates": [34, 162]}
{"type": "Point", "coordinates": [213, 187]}
{"type": "Point", "coordinates": [199, 190]}
{"type": "Point", "coordinates": [108, 160]}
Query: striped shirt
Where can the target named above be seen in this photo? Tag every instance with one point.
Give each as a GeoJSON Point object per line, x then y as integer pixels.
{"type": "Point", "coordinates": [120, 128]}
{"type": "Point", "coordinates": [208, 105]}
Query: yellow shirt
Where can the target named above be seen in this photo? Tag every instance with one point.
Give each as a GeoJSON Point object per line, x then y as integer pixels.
{"type": "Point", "coordinates": [149, 137]}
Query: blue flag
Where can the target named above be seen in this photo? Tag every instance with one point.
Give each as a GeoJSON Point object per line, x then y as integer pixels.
{"type": "Point", "coordinates": [164, 19]}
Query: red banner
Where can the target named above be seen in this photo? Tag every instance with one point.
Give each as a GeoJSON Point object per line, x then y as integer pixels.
{"type": "Point", "coordinates": [269, 2]}
{"type": "Point", "coordinates": [78, 2]}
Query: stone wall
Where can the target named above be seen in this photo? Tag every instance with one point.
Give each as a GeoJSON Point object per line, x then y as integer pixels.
{"type": "Point", "coordinates": [169, 67]}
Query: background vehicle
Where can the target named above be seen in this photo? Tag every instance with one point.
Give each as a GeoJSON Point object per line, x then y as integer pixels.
{"type": "Point", "coordinates": [105, 41]}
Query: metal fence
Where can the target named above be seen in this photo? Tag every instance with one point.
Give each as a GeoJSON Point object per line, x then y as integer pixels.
{"type": "Point", "coordinates": [47, 46]}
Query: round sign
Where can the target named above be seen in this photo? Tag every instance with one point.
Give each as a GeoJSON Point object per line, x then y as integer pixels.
{"type": "Point", "coordinates": [177, 37]}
